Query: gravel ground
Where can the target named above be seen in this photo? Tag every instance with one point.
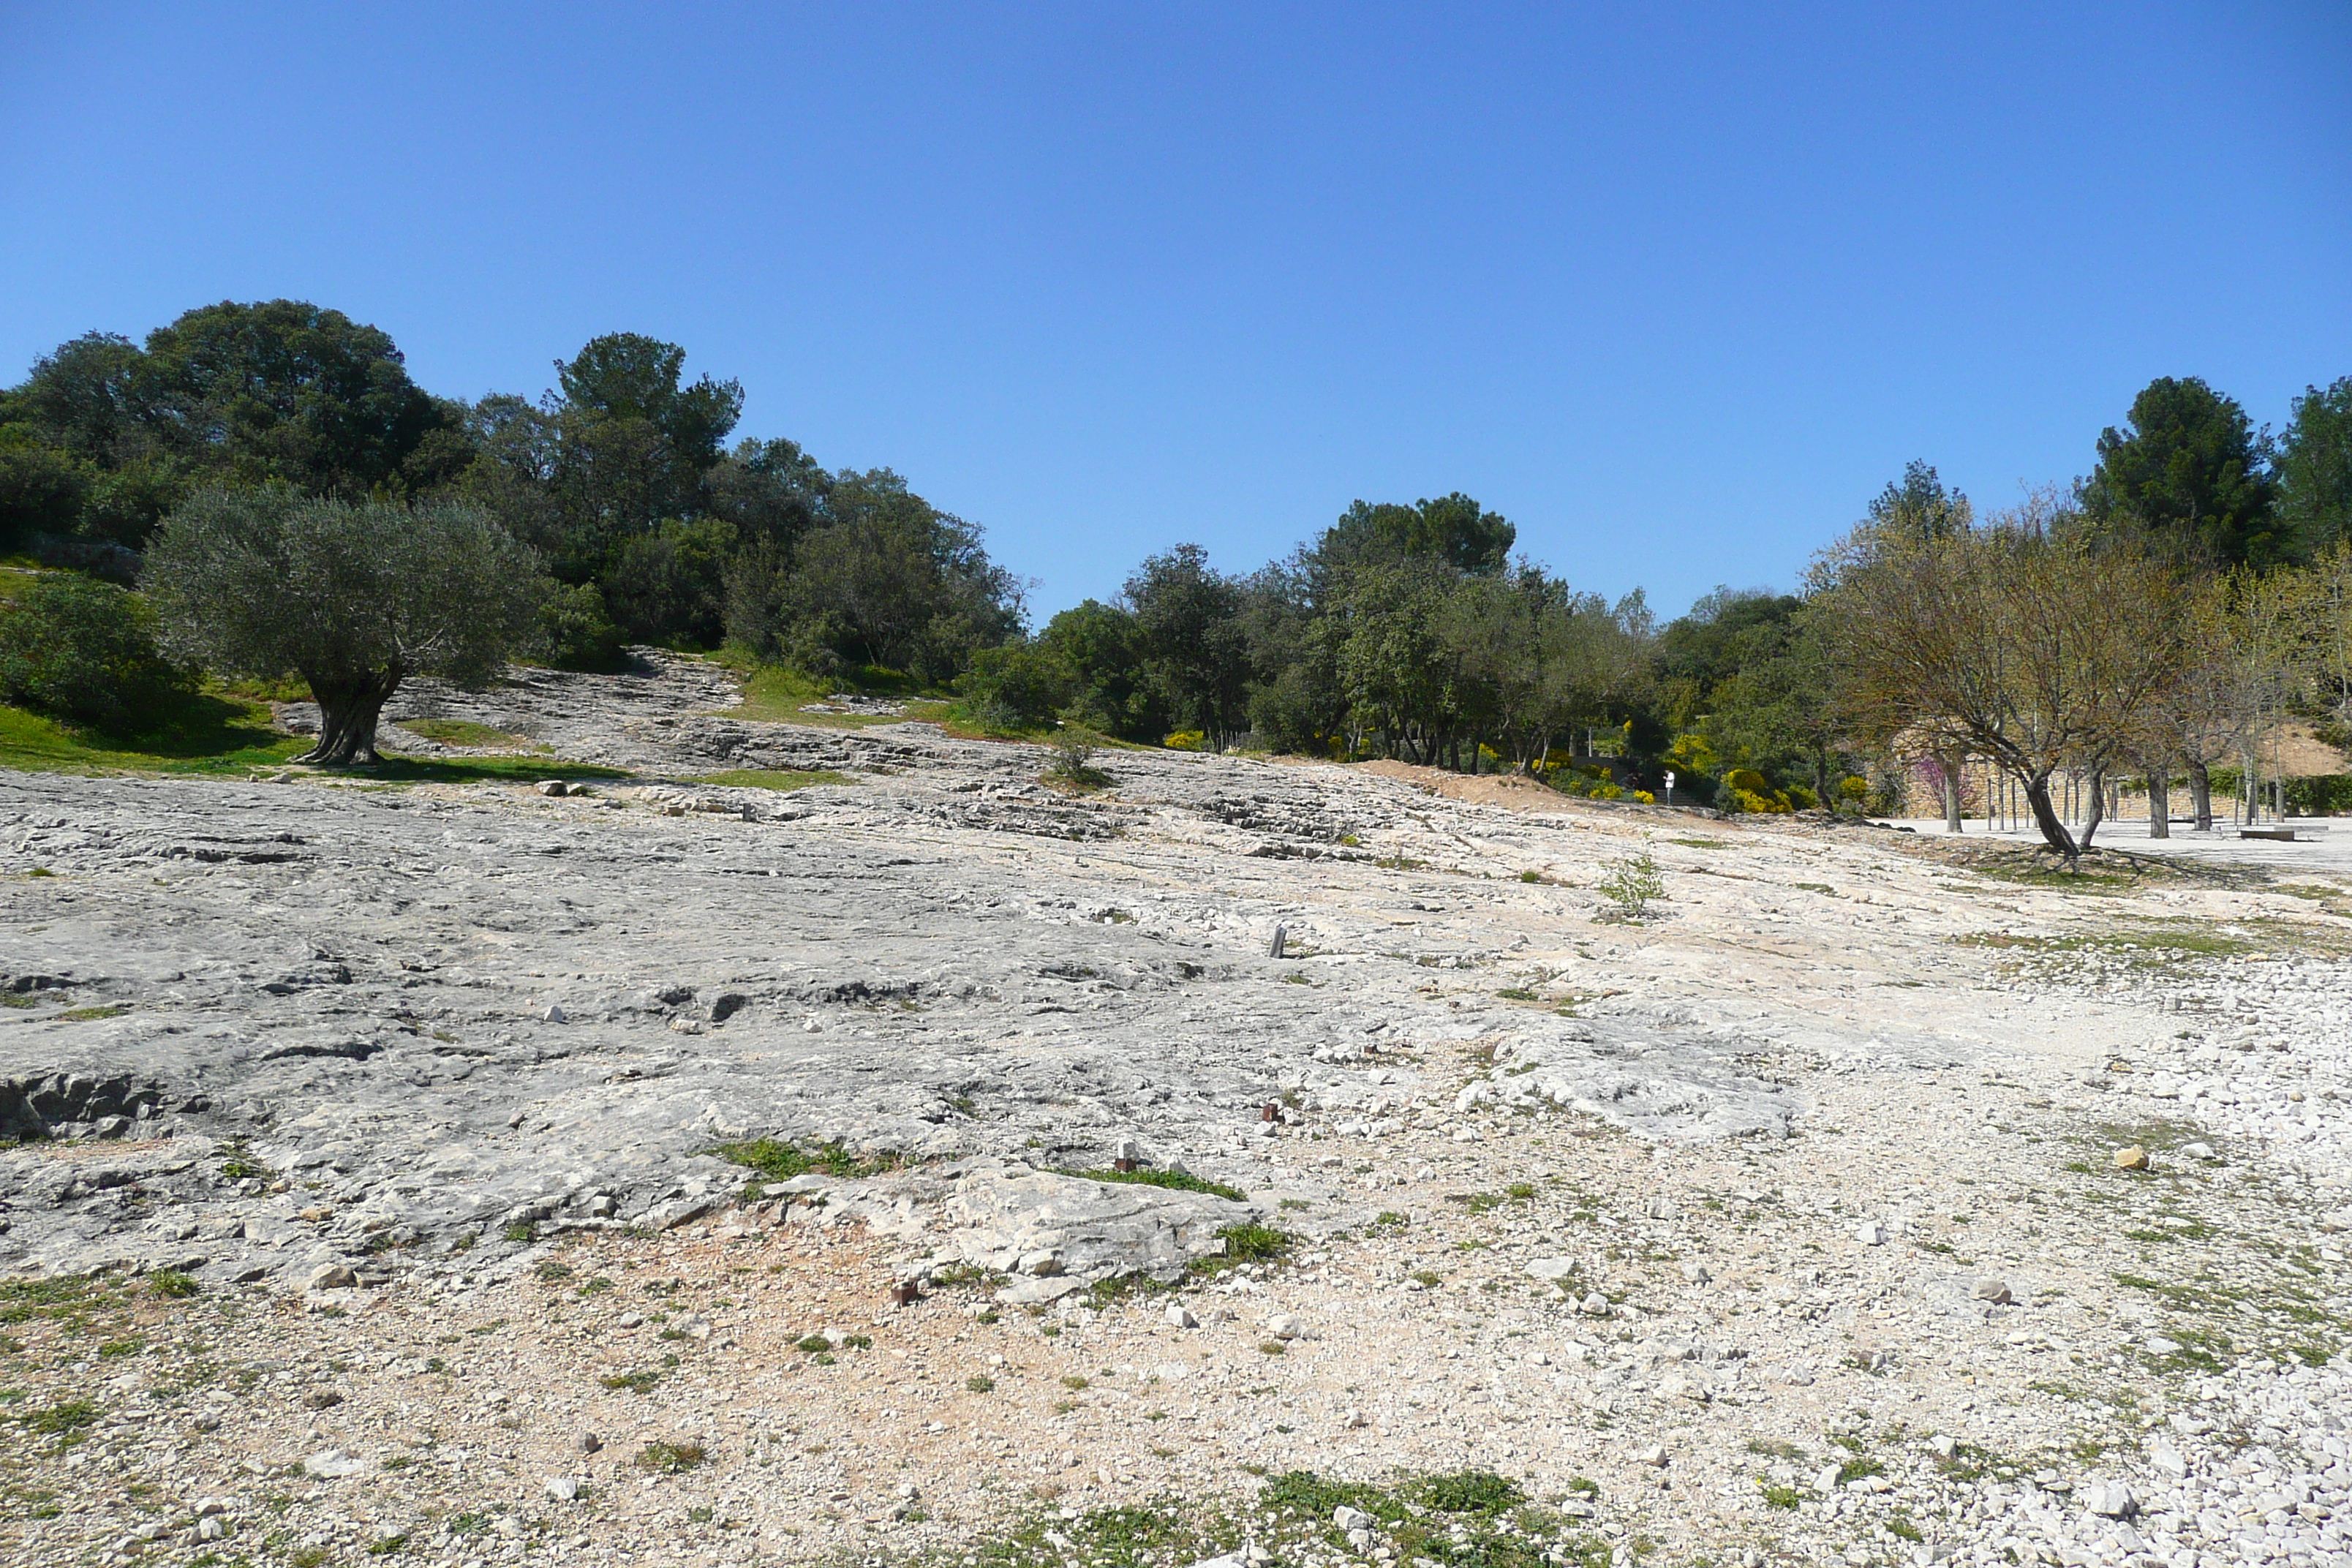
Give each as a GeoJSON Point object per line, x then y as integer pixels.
{"type": "Point", "coordinates": [1877, 1200]}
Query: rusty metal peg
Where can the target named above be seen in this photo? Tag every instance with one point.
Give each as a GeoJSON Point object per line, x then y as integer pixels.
{"type": "Point", "coordinates": [906, 1293]}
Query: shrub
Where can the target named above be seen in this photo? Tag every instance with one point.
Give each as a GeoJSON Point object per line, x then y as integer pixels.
{"type": "Point", "coordinates": [84, 651]}
{"type": "Point", "coordinates": [1186, 740]}
{"type": "Point", "coordinates": [1631, 884]}
{"type": "Point", "coordinates": [2324, 796]}
{"type": "Point", "coordinates": [670, 1458]}
{"type": "Point", "coordinates": [575, 633]}
{"type": "Point", "coordinates": [1017, 686]}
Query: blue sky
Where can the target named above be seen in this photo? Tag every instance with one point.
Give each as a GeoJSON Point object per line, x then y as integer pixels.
{"type": "Point", "coordinates": [1675, 288]}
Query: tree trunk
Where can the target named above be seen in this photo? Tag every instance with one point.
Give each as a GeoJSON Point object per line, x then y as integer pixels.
{"type": "Point", "coordinates": [2045, 816]}
{"type": "Point", "coordinates": [1952, 819]}
{"type": "Point", "coordinates": [347, 710]}
{"type": "Point", "coordinates": [2159, 803]}
{"type": "Point", "coordinates": [2200, 796]}
{"type": "Point", "coordinates": [2096, 811]}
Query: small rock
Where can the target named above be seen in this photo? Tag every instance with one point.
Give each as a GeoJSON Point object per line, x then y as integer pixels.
{"type": "Point", "coordinates": [630, 1320]}
{"type": "Point", "coordinates": [1180, 1317]}
{"type": "Point", "coordinates": [1944, 1444]}
{"type": "Point", "coordinates": [1995, 1291]}
{"type": "Point", "coordinates": [1870, 1233]}
{"type": "Point", "coordinates": [693, 1326]}
{"type": "Point", "coordinates": [332, 1464]}
{"type": "Point", "coordinates": [563, 1488]}
{"type": "Point", "coordinates": [551, 1014]}
{"type": "Point", "coordinates": [321, 1399]}
{"type": "Point", "coordinates": [590, 1442]}
{"type": "Point", "coordinates": [212, 1526]}
{"type": "Point", "coordinates": [2132, 1159]}
{"type": "Point", "coordinates": [1596, 1305]}
{"type": "Point", "coordinates": [1655, 1456]}
{"type": "Point", "coordinates": [2112, 1500]}
{"type": "Point", "coordinates": [1348, 1517]}
{"type": "Point", "coordinates": [1287, 1326]}
{"type": "Point", "coordinates": [2200, 1151]}
{"type": "Point", "coordinates": [330, 1276]}
{"type": "Point", "coordinates": [2167, 1458]}
{"type": "Point", "coordinates": [551, 787]}
{"type": "Point", "coordinates": [2156, 1344]}
{"type": "Point", "coordinates": [1696, 1272]}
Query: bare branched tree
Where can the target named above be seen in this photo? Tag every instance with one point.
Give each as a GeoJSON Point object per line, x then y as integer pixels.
{"type": "Point", "coordinates": [2023, 641]}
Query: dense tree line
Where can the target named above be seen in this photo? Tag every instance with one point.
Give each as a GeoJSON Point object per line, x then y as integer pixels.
{"type": "Point", "coordinates": [290, 502]}
{"type": "Point", "coordinates": [620, 479]}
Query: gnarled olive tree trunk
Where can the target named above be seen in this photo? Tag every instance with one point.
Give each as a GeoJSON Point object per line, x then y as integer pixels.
{"type": "Point", "coordinates": [2159, 802]}
{"type": "Point", "coordinates": [349, 707]}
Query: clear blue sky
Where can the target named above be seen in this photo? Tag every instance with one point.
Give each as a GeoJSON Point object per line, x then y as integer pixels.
{"type": "Point", "coordinates": [1675, 288]}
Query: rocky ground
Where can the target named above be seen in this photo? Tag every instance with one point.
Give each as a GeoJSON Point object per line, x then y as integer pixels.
{"type": "Point", "coordinates": [467, 1175]}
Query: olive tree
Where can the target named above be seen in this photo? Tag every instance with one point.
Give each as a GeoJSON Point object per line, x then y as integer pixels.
{"type": "Point", "coordinates": [354, 596]}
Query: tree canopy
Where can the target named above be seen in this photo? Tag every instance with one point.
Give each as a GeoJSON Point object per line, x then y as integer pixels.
{"type": "Point", "coordinates": [354, 596]}
{"type": "Point", "coordinates": [2190, 470]}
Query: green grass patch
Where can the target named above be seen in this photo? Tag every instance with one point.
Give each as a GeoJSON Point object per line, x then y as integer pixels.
{"type": "Point", "coordinates": [1175, 1181]}
{"type": "Point", "coordinates": [774, 694]}
{"type": "Point", "coordinates": [668, 1458]}
{"type": "Point", "coordinates": [209, 733]}
{"type": "Point", "coordinates": [776, 1161]}
{"type": "Point", "coordinates": [202, 733]}
{"type": "Point", "coordinates": [59, 1420]}
{"type": "Point", "coordinates": [466, 733]}
{"type": "Point", "coordinates": [1244, 1244]}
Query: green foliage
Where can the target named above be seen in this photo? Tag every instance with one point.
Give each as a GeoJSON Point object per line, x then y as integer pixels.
{"type": "Point", "coordinates": [1176, 1180]}
{"type": "Point", "coordinates": [355, 597]}
{"type": "Point", "coordinates": [172, 1285]}
{"type": "Point", "coordinates": [85, 651]}
{"type": "Point", "coordinates": [780, 1162]}
{"type": "Point", "coordinates": [574, 631]}
{"type": "Point", "coordinates": [1631, 884]}
{"type": "Point", "coordinates": [1247, 1242]}
{"type": "Point", "coordinates": [2190, 468]}
{"type": "Point", "coordinates": [62, 1419]}
{"type": "Point", "coordinates": [1187, 628]}
{"type": "Point", "coordinates": [2321, 796]}
{"type": "Point", "coordinates": [1021, 686]}
{"type": "Point", "coordinates": [671, 1457]}
{"type": "Point", "coordinates": [1454, 532]}
{"type": "Point", "coordinates": [2314, 468]}
{"type": "Point", "coordinates": [200, 733]}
